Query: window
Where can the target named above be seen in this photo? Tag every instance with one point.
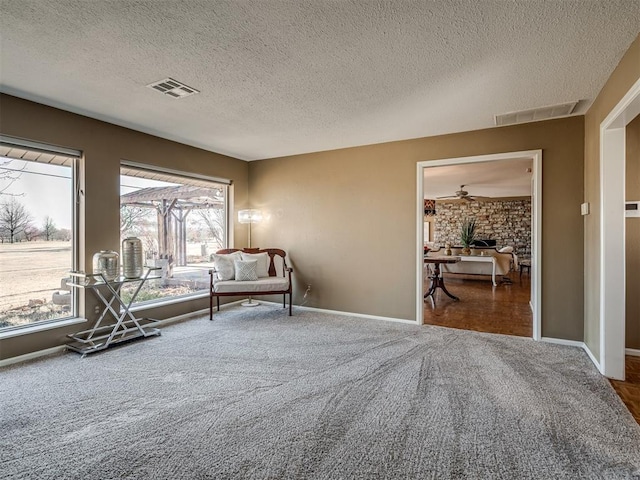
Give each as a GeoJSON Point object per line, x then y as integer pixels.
{"type": "Point", "coordinates": [37, 233]}
{"type": "Point", "coordinates": [181, 221]}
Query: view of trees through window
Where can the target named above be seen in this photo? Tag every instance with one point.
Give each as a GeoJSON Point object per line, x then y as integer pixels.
{"type": "Point", "coordinates": [181, 221]}
{"type": "Point", "coordinates": [36, 248]}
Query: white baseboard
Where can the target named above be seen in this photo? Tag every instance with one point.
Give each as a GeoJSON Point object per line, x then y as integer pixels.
{"type": "Point", "coordinates": [574, 343]}
{"type": "Point", "coordinates": [359, 315]}
{"type": "Point", "coordinates": [632, 351]}
{"type": "Point", "coordinates": [179, 318]}
{"type": "Point", "coordinates": [348, 314]}
{"type": "Point", "coordinates": [197, 313]}
{"type": "Point", "coordinates": [62, 348]}
{"type": "Point", "coordinates": [32, 355]}
{"type": "Point", "coordinates": [562, 341]}
{"type": "Point", "coordinates": [592, 357]}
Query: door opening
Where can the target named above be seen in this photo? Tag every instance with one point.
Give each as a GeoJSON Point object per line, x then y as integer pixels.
{"type": "Point", "coordinates": [535, 158]}
{"type": "Point", "coordinates": [612, 233]}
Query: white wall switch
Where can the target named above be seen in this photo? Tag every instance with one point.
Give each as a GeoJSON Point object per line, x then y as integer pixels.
{"type": "Point", "coordinates": [584, 208]}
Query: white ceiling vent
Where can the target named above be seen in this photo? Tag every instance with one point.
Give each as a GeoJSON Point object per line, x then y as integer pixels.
{"type": "Point", "coordinates": [173, 88]}
{"type": "Point", "coordinates": [535, 114]}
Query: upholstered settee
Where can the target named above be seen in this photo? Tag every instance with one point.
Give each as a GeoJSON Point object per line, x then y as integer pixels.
{"type": "Point", "coordinates": [504, 258]}
{"type": "Point", "coordinates": [249, 272]}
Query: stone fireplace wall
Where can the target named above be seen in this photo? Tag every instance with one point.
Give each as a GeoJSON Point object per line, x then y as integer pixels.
{"type": "Point", "coordinates": [508, 222]}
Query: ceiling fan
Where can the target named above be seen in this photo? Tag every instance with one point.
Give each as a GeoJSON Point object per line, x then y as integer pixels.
{"type": "Point", "coordinates": [462, 194]}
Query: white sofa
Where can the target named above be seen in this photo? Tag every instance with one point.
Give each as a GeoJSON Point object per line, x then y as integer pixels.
{"type": "Point", "coordinates": [272, 275]}
{"type": "Point", "coordinates": [505, 261]}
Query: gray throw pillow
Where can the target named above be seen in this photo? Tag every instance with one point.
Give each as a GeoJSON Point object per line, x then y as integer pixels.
{"type": "Point", "coordinates": [246, 271]}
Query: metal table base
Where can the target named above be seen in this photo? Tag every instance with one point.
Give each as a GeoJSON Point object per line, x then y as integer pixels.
{"type": "Point", "coordinates": [127, 327]}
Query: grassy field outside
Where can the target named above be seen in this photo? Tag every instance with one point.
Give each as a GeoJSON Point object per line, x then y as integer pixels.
{"type": "Point", "coordinates": [31, 272]}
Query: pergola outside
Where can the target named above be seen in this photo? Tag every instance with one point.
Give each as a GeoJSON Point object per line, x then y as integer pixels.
{"type": "Point", "coordinates": [173, 204]}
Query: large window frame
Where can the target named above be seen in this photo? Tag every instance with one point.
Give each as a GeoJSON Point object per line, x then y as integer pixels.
{"type": "Point", "coordinates": [41, 153]}
{"type": "Point", "coordinates": [198, 287]}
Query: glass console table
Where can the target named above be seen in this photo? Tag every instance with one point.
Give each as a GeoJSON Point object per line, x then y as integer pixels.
{"type": "Point", "coordinates": [125, 326]}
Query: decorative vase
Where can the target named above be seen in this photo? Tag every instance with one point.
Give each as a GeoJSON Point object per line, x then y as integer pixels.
{"type": "Point", "coordinates": [132, 257]}
{"type": "Point", "coordinates": [105, 262]}
{"type": "Point", "coordinates": [466, 251]}
{"type": "Point", "coordinates": [447, 250]}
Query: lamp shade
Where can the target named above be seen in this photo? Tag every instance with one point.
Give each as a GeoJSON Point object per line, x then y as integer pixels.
{"type": "Point", "coordinates": [249, 215]}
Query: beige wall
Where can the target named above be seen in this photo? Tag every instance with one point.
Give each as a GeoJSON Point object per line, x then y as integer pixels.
{"type": "Point", "coordinates": [348, 218]}
{"type": "Point", "coordinates": [621, 80]}
{"type": "Point", "coordinates": [632, 240]}
{"type": "Point", "coordinates": [104, 146]}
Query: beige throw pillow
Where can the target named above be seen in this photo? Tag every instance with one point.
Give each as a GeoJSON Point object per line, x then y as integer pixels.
{"type": "Point", "coordinates": [262, 267]}
{"type": "Point", "coordinates": [225, 269]}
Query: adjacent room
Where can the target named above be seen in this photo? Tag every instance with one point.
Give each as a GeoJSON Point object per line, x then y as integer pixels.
{"type": "Point", "coordinates": [318, 239]}
{"type": "Point", "coordinates": [492, 217]}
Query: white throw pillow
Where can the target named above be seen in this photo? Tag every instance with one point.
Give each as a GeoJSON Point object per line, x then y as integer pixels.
{"type": "Point", "coordinates": [506, 250]}
{"type": "Point", "coordinates": [225, 269]}
{"type": "Point", "coordinates": [262, 269]}
{"type": "Point", "coordinates": [246, 270]}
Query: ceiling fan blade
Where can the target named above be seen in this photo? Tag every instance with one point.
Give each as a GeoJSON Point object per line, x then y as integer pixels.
{"type": "Point", "coordinates": [448, 196]}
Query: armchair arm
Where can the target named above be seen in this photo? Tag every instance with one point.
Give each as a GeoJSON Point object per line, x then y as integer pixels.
{"type": "Point", "coordinates": [289, 271]}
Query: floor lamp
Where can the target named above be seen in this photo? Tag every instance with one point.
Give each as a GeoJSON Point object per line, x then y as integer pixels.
{"type": "Point", "coordinates": [249, 216]}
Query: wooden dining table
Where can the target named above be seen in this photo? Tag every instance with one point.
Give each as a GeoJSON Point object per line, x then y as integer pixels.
{"type": "Point", "coordinates": [437, 281]}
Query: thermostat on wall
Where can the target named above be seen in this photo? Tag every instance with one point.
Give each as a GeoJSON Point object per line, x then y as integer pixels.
{"type": "Point", "coordinates": [632, 209]}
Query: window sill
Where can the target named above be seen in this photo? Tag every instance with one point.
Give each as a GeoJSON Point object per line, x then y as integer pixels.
{"type": "Point", "coordinates": [17, 332]}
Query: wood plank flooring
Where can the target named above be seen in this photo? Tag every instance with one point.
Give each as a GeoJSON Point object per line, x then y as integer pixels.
{"type": "Point", "coordinates": [629, 390]}
{"type": "Point", "coordinates": [482, 307]}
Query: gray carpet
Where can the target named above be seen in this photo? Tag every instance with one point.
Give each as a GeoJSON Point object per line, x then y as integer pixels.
{"type": "Point", "coordinates": [258, 394]}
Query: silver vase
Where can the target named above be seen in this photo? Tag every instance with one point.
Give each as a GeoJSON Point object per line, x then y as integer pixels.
{"type": "Point", "coordinates": [132, 257]}
{"type": "Point", "coordinates": [105, 262]}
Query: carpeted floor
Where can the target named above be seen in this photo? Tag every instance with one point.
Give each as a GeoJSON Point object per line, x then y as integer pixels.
{"type": "Point", "coordinates": [257, 394]}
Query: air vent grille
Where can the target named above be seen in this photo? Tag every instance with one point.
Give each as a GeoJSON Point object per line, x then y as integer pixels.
{"type": "Point", "coordinates": [173, 88]}
{"type": "Point", "coordinates": [535, 114]}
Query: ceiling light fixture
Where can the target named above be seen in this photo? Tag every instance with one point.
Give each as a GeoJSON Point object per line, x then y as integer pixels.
{"type": "Point", "coordinates": [173, 88]}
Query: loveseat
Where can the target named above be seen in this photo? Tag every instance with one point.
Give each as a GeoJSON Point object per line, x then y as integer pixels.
{"type": "Point", "coordinates": [505, 261]}
{"type": "Point", "coordinates": [251, 272]}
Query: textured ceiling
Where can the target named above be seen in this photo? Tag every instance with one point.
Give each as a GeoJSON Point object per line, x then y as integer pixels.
{"type": "Point", "coordinates": [499, 178]}
{"type": "Point", "coordinates": [285, 77]}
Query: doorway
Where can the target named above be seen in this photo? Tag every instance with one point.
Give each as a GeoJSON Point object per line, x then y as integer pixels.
{"type": "Point", "coordinates": [535, 156]}
{"type": "Point", "coordinates": [612, 233]}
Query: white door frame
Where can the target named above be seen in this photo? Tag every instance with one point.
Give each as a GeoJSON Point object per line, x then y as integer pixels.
{"type": "Point", "coordinates": [536, 240]}
{"type": "Point", "coordinates": [612, 233]}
